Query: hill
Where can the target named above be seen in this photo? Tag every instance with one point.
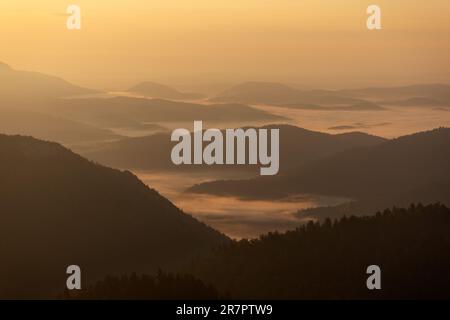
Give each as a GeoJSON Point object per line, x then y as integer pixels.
{"type": "Point", "coordinates": [325, 260]}
{"type": "Point", "coordinates": [30, 85]}
{"type": "Point", "coordinates": [156, 90]}
{"type": "Point", "coordinates": [297, 146]}
{"type": "Point", "coordinates": [337, 100]}
{"type": "Point", "coordinates": [433, 91]}
{"type": "Point", "coordinates": [162, 286]}
{"type": "Point", "coordinates": [329, 260]}
{"type": "Point", "coordinates": [395, 167]}
{"type": "Point", "coordinates": [53, 128]}
{"type": "Point", "coordinates": [359, 106]}
{"type": "Point", "coordinates": [123, 111]}
{"type": "Point", "coordinates": [416, 102]}
{"type": "Point", "coordinates": [282, 95]}
{"type": "Point", "coordinates": [59, 209]}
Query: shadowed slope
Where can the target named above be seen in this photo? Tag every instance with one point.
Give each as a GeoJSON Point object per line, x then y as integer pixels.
{"type": "Point", "coordinates": [394, 167]}
{"type": "Point", "coordinates": [297, 146]}
{"type": "Point", "coordinates": [58, 209]}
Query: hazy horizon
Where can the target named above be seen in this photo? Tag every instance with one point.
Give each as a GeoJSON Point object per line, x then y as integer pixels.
{"type": "Point", "coordinates": [316, 44]}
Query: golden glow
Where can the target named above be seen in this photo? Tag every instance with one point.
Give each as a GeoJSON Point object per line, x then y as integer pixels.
{"type": "Point", "coordinates": [317, 43]}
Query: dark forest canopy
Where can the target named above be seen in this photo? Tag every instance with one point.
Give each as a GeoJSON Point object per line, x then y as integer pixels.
{"type": "Point", "coordinates": [329, 260]}
{"type": "Point", "coordinates": [316, 261]}
{"type": "Point", "coordinates": [162, 286]}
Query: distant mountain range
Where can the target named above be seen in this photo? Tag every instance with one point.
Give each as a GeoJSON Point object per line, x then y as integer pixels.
{"type": "Point", "coordinates": [156, 90]}
{"type": "Point", "coordinates": [417, 102]}
{"type": "Point", "coordinates": [58, 209]}
{"type": "Point", "coordinates": [410, 168]}
{"type": "Point", "coordinates": [359, 106]}
{"type": "Point", "coordinates": [437, 91]}
{"type": "Point", "coordinates": [53, 128]}
{"type": "Point", "coordinates": [279, 94]}
{"type": "Point", "coordinates": [329, 100]}
{"type": "Point", "coordinates": [71, 114]}
{"type": "Point", "coordinates": [121, 111]}
{"type": "Point", "coordinates": [297, 146]}
{"type": "Point", "coordinates": [29, 85]}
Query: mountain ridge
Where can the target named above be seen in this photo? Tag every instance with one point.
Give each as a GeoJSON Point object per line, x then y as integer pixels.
{"type": "Point", "coordinates": [137, 153]}
{"type": "Point", "coordinates": [54, 203]}
{"type": "Point", "coordinates": [278, 94]}
{"type": "Point", "coordinates": [26, 85]}
{"type": "Point", "coordinates": [387, 168]}
{"type": "Point", "coordinates": [157, 90]}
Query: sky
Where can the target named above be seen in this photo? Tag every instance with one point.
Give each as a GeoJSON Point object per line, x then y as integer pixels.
{"type": "Point", "coordinates": [310, 43]}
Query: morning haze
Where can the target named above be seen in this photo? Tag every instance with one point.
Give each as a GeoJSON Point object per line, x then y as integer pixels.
{"type": "Point", "coordinates": [315, 43]}
{"type": "Point", "coordinates": [358, 122]}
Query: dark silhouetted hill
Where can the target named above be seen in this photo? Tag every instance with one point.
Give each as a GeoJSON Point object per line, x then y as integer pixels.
{"type": "Point", "coordinates": [329, 260]}
{"type": "Point", "coordinates": [162, 286]}
{"type": "Point", "coordinates": [396, 167]}
{"type": "Point", "coordinates": [297, 146]}
{"type": "Point", "coordinates": [432, 192]}
{"type": "Point", "coordinates": [58, 209]}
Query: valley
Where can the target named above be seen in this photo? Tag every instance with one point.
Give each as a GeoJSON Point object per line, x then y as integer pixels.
{"type": "Point", "coordinates": [197, 150]}
{"type": "Point", "coordinates": [235, 217]}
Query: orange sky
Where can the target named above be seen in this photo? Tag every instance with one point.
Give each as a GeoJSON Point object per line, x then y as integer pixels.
{"type": "Point", "coordinates": [313, 43]}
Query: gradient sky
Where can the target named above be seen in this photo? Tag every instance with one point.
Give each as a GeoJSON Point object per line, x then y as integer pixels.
{"type": "Point", "coordinates": [312, 43]}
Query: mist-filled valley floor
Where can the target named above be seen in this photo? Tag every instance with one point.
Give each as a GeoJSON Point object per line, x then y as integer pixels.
{"type": "Point", "coordinates": [390, 122]}
{"type": "Point", "coordinates": [237, 218]}
{"type": "Point", "coordinates": [248, 218]}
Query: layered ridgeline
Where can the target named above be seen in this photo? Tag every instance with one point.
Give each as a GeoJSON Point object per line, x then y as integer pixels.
{"type": "Point", "coordinates": [58, 209]}
{"type": "Point", "coordinates": [297, 146]}
{"type": "Point", "coordinates": [329, 260]}
{"type": "Point", "coordinates": [64, 111]}
{"type": "Point", "coordinates": [280, 94]}
{"type": "Point", "coordinates": [25, 97]}
{"type": "Point", "coordinates": [422, 95]}
{"type": "Point", "coordinates": [50, 127]}
{"type": "Point", "coordinates": [123, 111]}
{"type": "Point", "coordinates": [32, 85]}
{"type": "Point", "coordinates": [157, 90]}
{"type": "Point", "coordinates": [399, 171]}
